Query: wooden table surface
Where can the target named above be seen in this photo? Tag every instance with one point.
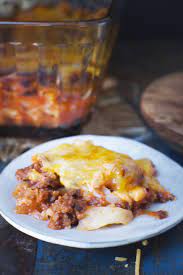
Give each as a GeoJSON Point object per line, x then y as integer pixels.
{"type": "Point", "coordinates": [162, 107]}
{"type": "Point", "coordinates": [134, 65]}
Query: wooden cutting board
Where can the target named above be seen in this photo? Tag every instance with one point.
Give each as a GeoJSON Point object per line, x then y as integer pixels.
{"type": "Point", "coordinates": [162, 108]}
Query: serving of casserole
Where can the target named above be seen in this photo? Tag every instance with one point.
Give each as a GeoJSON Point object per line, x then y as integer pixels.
{"type": "Point", "coordinates": [88, 186]}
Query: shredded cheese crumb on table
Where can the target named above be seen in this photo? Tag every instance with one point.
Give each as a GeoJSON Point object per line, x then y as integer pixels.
{"type": "Point", "coordinates": [137, 262]}
{"type": "Point", "coordinates": [145, 242]}
{"type": "Point", "coordinates": [120, 259]}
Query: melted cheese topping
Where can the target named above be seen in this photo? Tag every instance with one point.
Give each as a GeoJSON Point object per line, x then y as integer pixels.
{"type": "Point", "coordinates": [90, 167]}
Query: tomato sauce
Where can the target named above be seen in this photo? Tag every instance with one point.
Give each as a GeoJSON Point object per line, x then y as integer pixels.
{"type": "Point", "coordinates": [26, 102]}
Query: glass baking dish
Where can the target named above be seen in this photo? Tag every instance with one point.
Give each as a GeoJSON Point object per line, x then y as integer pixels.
{"type": "Point", "coordinates": [50, 72]}
{"type": "Point", "coordinates": [54, 10]}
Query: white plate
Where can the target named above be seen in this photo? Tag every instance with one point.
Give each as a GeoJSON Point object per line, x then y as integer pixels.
{"type": "Point", "coordinates": [170, 175]}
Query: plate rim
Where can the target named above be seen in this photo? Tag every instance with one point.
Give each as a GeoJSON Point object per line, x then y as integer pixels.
{"type": "Point", "coordinates": [85, 245]}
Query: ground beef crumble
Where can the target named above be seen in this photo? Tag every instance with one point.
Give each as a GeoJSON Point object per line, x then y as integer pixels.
{"type": "Point", "coordinates": [41, 194]}
{"type": "Point", "coordinates": [67, 210]}
{"type": "Point", "coordinates": [61, 208]}
{"type": "Point", "coordinates": [43, 179]}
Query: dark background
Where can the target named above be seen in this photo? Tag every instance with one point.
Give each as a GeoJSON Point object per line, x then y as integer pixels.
{"type": "Point", "coordinates": [151, 19]}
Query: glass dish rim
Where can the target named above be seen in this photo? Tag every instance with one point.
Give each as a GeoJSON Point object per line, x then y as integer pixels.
{"type": "Point", "coordinates": [63, 23]}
